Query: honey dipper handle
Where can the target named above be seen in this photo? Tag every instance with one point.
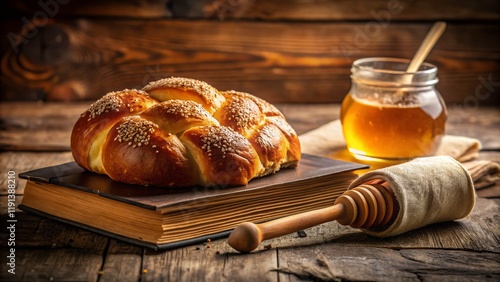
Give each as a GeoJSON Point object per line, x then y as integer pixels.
{"type": "Point", "coordinates": [247, 236]}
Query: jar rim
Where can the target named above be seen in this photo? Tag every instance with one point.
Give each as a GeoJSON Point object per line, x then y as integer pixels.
{"type": "Point", "coordinates": [391, 72]}
{"type": "Point", "coordinates": [361, 64]}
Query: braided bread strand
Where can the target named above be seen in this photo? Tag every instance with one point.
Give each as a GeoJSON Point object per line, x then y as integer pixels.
{"type": "Point", "coordinates": [182, 132]}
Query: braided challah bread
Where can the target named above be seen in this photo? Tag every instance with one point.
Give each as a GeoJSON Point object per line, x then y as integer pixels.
{"type": "Point", "coordinates": [183, 132]}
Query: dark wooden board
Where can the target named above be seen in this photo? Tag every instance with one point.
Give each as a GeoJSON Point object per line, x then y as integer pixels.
{"type": "Point", "coordinates": [395, 10]}
{"type": "Point", "coordinates": [482, 10]}
{"type": "Point", "coordinates": [279, 61]}
{"type": "Point", "coordinates": [89, 8]}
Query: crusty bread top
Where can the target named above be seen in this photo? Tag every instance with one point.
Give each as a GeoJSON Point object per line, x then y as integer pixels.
{"type": "Point", "coordinates": [183, 132]}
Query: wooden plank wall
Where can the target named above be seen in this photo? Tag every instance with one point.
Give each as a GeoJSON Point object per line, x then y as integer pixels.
{"type": "Point", "coordinates": [283, 51]}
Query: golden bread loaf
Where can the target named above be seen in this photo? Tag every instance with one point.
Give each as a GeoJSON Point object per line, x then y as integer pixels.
{"type": "Point", "coordinates": [183, 132]}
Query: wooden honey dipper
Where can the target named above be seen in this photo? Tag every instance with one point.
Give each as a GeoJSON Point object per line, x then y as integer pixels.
{"type": "Point", "coordinates": [384, 202]}
{"type": "Point", "coordinates": [369, 205]}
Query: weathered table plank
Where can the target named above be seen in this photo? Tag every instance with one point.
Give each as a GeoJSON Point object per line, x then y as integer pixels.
{"type": "Point", "coordinates": [45, 249]}
{"type": "Point", "coordinates": [192, 263]}
{"type": "Point", "coordinates": [35, 126]}
{"type": "Point", "coordinates": [23, 161]}
{"type": "Point", "coordinates": [355, 263]}
{"type": "Point", "coordinates": [55, 264]}
{"type": "Point", "coordinates": [38, 126]}
{"type": "Point", "coordinates": [123, 262]}
{"type": "Point", "coordinates": [256, 266]}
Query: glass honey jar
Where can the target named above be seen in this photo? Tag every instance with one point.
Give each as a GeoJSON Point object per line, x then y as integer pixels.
{"type": "Point", "coordinates": [390, 114]}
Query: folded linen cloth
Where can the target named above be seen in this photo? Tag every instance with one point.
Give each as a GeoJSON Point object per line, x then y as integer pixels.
{"type": "Point", "coordinates": [484, 173]}
{"type": "Point", "coordinates": [328, 139]}
{"type": "Point", "coordinates": [428, 190]}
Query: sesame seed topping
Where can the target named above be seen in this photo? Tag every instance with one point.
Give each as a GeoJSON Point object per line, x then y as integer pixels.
{"type": "Point", "coordinates": [220, 138]}
{"type": "Point", "coordinates": [265, 107]}
{"type": "Point", "coordinates": [284, 126]}
{"type": "Point", "coordinates": [201, 87]}
{"type": "Point", "coordinates": [136, 131]}
{"type": "Point", "coordinates": [265, 137]}
{"type": "Point", "coordinates": [109, 102]}
{"type": "Point", "coordinates": [185, 109]}
{"type": "Point", "coordinates": [242, 112]}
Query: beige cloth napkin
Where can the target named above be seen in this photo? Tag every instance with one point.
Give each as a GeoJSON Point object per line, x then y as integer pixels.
{"type": "Point", "coordinates": [328, 140]}
{"type": "Point", "coordinates": [428, 190]}
{"type": "Point", "coordinates": [484, 173]}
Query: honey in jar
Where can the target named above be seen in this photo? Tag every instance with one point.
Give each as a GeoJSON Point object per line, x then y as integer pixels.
{"type": "Point", "coordinates": [390, 114]}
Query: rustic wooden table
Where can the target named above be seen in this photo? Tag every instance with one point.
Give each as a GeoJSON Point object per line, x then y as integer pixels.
{"type": "Point", "coordinates": [35, 135]}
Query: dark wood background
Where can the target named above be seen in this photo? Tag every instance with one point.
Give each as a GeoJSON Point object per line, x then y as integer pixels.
{"type": "Point", "coordinates": [283, 51]}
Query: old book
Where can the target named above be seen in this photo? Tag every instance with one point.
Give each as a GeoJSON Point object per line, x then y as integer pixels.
{"type": "Point", "coordinates": [163, 218]}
